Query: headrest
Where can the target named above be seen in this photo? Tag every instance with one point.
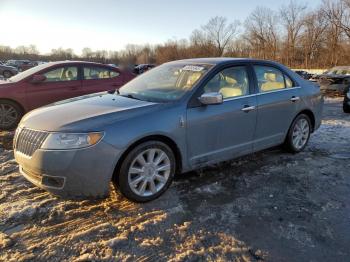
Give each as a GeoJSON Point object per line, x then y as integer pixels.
{"type": "Point", "coordinates": [270, 76]}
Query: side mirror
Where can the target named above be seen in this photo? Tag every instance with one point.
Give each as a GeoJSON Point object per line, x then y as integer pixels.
{"type": "Point", "coordinates": [38, 78]}
{"type": "Point", "coordinates": [213, 98]}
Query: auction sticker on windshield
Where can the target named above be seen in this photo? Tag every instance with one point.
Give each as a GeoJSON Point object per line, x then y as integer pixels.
{"type": "Point", "coordinates": [193, 68]}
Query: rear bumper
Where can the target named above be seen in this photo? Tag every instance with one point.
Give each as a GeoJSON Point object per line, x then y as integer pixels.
{"type": "Point", "coordinates": [71, 173]}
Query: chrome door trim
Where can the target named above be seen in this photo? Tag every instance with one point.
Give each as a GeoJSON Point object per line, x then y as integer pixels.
{"type": "Point", "coordinates": [279, 90]}
{"type": "Point", "coordinates": [258, 94]}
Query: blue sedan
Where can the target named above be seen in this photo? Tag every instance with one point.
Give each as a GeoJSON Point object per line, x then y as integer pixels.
{"type": "Point", "coordinates": [177, 117]}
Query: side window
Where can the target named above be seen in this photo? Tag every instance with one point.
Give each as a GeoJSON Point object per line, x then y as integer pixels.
{"type": "Point", "coordinates": [67, 73]}
{"type": "Point", "coordinates": [230, 82]}
{"type": "Point", "coordinates": [269, 78]}
{"type": "Point", "coordinates": [289, 82]}
{"type": "Point", "coordinates": [99, 73]}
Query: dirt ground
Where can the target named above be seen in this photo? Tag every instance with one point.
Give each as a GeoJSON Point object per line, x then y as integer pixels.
{"type": "Point", "coordinates": [270, 206]}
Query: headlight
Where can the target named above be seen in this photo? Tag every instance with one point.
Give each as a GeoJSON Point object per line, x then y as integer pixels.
{"type": "Point", "coordinates": [71, 140]}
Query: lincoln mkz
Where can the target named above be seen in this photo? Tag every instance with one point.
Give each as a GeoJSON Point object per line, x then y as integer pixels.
{"type": "Point", "coordinates": [177, 117]}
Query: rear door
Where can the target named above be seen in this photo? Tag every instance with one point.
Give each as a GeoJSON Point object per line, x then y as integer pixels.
{"type": "Point", "coordinates": [278, 102]}
{"type": "Point", "coordinates": [61, 82]}
{"type": "Point", "coordinates": [99, 78]}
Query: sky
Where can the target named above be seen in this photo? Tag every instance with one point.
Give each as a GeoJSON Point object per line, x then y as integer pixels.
{"type": "Point", "coordinates": [110, 25]}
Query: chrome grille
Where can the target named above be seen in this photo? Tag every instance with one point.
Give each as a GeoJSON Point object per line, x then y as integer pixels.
{"type": "Point", "coordinates": [28, 141]}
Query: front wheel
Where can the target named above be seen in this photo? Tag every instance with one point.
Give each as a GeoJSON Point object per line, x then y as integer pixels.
{"type": "Point", "coordinates": [298, 134]}
{"type": "Point", "coordinates": [147, 171]}
{"type": "Point", "coordinates": [10, 114]}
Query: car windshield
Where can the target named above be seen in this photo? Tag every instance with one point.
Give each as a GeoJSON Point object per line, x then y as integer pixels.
{"type": "Point", "coordinates": [165, 83]}
{"type": "Point", "coordinates": [27, 73]}
{"type": "Point", "coordinates": [338, 71]}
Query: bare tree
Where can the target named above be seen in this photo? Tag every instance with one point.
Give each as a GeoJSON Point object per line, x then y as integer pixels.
{"type": "Point", "coordinates": [338, 13]}
{"type": "Point", "coordinates": [261, 33]}
{"type": "Point", "coordinates": [313, 36]}
{"type": "Point", "coordinates": [219, 32]}
{"type": "Point", "coordinates": [292, 17]}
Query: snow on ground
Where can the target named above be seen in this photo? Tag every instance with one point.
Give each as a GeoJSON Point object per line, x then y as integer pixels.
{"type": "Point", "coordinates": [271, 205]}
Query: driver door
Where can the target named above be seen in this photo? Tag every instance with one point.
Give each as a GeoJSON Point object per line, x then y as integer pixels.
{"type": "Point", "coordinates": [61, 83]}
{"type": "Point", "coordinates": [223, 131]}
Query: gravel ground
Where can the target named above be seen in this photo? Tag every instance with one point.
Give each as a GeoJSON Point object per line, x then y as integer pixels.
{"type": "Point", "coordinates": [270, 206]}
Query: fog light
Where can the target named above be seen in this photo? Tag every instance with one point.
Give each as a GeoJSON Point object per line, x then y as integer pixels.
{"type": "Point", "coordinates": [53, 181]}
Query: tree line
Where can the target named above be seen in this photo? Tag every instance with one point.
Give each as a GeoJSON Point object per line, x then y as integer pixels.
{"type": "Point", "coordinates": [295, 35]}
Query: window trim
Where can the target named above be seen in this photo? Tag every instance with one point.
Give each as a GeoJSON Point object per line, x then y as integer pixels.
{"type": "Point", "coordinates": [258, 94]}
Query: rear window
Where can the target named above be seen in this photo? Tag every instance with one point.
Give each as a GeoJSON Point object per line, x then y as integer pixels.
{"type": "Point", "coordinates": [94, 72]}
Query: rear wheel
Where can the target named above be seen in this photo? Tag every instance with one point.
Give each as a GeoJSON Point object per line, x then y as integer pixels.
{"type": "Point", "coordinates": [147, 171]}
{"type": "Point", "coordinates": [298, 134]}
{"type": "Point", "coordinates": [7, 74]}
{"type": "Point", "coordinates": [10, 114]}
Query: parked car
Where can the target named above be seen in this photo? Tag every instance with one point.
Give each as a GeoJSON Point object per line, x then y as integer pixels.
{"type": "Point", "coordinates": [177, 117]}
{"type": "Point", "coordinates": [21, 65]}
{"type": "Point", "coordinates": [51, 82]}
{"type": "Point", "coordinates": [303, 74]}
{"type": "Point", "coordinates": [7, 71]}
{"type": "Point", "coordinates": [140, 69]}
{"type": "Point", "coordinates": [346, 102]}
{"type": "Point", "coordinates": [335, 79]}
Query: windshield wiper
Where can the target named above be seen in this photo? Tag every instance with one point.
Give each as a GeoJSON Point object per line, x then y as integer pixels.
{"type": "Point", "coordinates": [129, 96]}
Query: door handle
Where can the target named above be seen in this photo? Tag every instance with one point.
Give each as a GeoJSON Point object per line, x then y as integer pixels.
{"type": "Point", "coordinates": [248, 108]}
{"type": "Point", "coordinates": [295, 98]}
{"type": "Point", "coordinates": [73, 87]}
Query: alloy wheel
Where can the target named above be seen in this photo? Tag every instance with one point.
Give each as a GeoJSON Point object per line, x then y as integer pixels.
{"type": "Point", "coordinates": [149, 172]}
{"type": "Point", "coordinates": [8, 115]}
{"type": "Point", "coordinates": [301, 133]}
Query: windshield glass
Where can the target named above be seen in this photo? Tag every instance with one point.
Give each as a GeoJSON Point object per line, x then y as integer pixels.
{"type": "Point", "coordinates": [165, 83]}
{"type": "Point", "coordinates": [27, 73]}
{"type": "Point", "coordinates": [338, 71]}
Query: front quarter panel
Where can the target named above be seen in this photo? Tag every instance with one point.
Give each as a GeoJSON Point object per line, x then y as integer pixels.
{"type": "Point", "coordinates": [168, 121]}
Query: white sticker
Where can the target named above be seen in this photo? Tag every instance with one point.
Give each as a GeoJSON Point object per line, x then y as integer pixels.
{"type": "Point", "coordinates": [193, 68]}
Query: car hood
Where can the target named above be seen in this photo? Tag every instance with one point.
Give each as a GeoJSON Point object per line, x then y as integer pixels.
{"type": "Point", "coordinates": [86, 113]}
{"type": "Point", "coordinates": [5, 83]}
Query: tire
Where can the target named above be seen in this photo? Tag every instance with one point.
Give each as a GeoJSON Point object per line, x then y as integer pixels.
{"type": "Point", "coordinates": [7, 74]}
{"type": "Point", "coordinates": [10, 114]}
{"type": "Point", "coordinates": [133, 171]}
{"type": "Point", "coordinates": [346, 108]}
{"type": "Point", "coordinates": [299, 130]}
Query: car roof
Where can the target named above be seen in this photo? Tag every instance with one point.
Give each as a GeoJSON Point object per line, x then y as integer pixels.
{"type": "Point", "coordinates": [74, 62]}
{"type": "Point", "coordinates": [223, 60]}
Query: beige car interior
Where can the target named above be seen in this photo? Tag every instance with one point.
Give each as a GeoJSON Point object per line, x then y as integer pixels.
{"type": "Point", "coordinates": [192, 79]}
{"type": "Point", "coordinates": [272, 83]}
{"type": "Point", "coordinates": [231, 82]}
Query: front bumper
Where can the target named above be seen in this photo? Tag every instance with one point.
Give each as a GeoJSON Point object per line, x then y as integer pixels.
{"type": "Point", "coordinates": [71, 173]}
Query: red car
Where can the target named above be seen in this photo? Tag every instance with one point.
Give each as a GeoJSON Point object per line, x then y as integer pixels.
{"type": "Point", "coordinates": [51, 82]}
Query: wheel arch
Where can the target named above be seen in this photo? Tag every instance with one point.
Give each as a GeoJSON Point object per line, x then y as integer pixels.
{"type": "Point", "coordinates": [14, 101]}
{"type": "Point", "coordinates": [311, 115]}
{"type": "Point", "coordinates": [161, 138]}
